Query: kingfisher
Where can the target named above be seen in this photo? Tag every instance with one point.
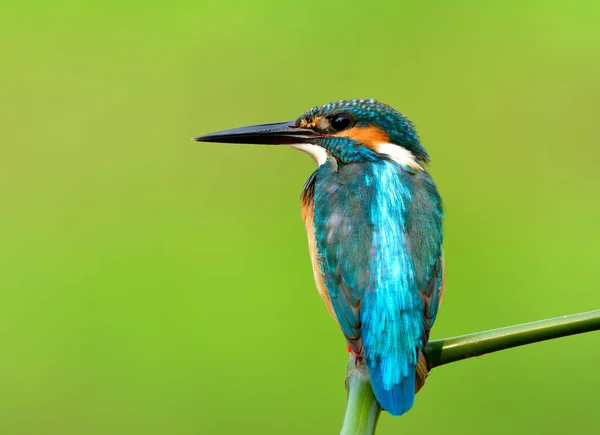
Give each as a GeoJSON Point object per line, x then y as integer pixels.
{"type": "Point", "coordinates": [374, 221]}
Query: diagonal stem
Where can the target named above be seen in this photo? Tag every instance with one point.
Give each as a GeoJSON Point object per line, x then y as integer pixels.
{"type": "Point", "coordinates": [447, 350]}
{"type": "Point", "coordinates": [362, 410]}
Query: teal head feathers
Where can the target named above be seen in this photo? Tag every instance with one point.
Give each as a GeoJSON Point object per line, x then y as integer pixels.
{"type": "Point", "coordinates": [374, 222]}
{"type": "Point", "coordinates": [356, 130]}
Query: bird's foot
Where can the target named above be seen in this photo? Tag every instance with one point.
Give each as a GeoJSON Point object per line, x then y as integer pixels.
{"type": "Point", "coordinates": [356, 357]}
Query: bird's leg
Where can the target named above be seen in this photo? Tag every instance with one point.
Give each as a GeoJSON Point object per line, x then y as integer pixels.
{"type": "Point", "coordinates": [356, 357]}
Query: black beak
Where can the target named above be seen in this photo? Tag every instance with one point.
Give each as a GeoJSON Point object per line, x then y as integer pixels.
{"type": "Point", "coordinates": [285, 133]}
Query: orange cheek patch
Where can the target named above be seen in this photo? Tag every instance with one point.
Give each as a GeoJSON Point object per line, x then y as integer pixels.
{"type": "Point", "coordinates": [369, 136]}
{"type": "Point", "coordinates": [308, 208]}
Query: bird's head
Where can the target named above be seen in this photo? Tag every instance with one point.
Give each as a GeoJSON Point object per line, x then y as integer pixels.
{"type": "Point", "coordinates": [349, 131]}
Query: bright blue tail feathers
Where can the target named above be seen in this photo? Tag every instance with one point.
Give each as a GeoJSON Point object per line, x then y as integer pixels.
{"type": "Point", "coordinates": [400, 398]}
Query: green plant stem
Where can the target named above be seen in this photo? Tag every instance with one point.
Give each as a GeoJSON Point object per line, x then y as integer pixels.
{"type": "Point", "coordinates": [362, 409]}
{"type": "Point", "coordinates": [445, 351]}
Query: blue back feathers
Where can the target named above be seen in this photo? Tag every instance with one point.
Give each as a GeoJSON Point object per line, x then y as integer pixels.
{"type": "Point", "coordinates": [372, 221]}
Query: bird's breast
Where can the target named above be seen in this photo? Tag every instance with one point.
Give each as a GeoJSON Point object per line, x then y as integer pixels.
{"type": "Point", "coordinates": [308, 217]}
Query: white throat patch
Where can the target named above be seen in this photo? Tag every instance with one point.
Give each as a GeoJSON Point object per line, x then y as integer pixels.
{"type": "Point", "coordinates": [399, 154]}
{"type": "Point", "coordinates": [317, 153]}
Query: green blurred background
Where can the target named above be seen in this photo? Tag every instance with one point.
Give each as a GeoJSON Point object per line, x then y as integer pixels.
{"type": "Point", "coordinates": [154, 285]}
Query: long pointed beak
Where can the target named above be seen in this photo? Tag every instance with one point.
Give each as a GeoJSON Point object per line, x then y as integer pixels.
{"type": "Point", "coordinates": [284, 133]}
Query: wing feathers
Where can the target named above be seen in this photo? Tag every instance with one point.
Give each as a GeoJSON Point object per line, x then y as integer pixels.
{"type": "Point", "coordinates": [375, 229]}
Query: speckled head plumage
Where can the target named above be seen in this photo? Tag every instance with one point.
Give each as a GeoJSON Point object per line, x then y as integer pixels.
{"type": "Point", "coordinates": [366, 122]}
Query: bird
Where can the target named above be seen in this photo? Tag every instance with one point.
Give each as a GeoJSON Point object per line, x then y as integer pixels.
{"type": "Point", "coordinates": [373, 216]}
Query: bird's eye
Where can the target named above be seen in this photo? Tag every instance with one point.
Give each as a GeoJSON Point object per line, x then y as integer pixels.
{"type": "Point", "coordinates": [340, 122]}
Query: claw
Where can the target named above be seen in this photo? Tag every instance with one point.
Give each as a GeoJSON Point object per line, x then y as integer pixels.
{"type": "Point", "coordinates": [349, 349]}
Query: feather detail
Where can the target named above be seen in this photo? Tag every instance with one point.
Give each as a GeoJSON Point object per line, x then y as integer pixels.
{"type": "Point", "coordinates": [377, 256]}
